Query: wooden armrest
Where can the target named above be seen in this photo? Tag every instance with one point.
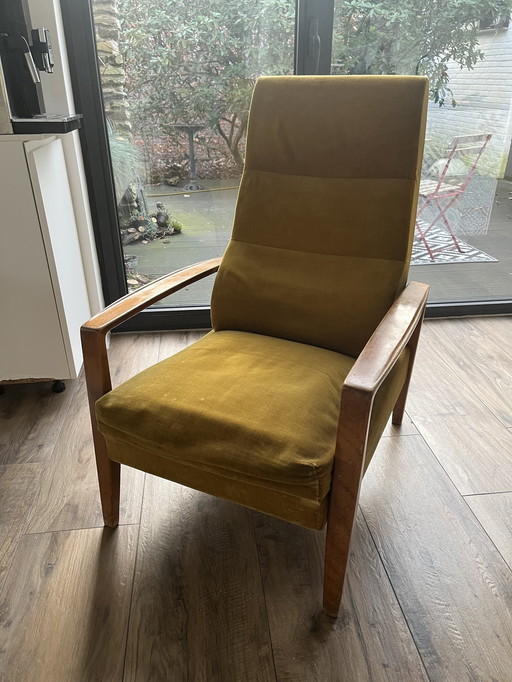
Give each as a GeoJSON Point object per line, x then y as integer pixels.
{"type": "Point", "coordinates": [142, 298]}
{"type": "Point", "coordinates": [93, 332]}
{"type": "Point", "coordinates": [389, 340]}
{"type": "Point", "coordinates": [401, 326]}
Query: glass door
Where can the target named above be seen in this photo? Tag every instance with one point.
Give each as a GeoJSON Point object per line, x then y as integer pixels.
{"type": "Point", "coordinates": [176, 80]}
{"type": "Point", "coordinates": [463, 239]}
{"type": "Point", "coordinates": [173, 81]}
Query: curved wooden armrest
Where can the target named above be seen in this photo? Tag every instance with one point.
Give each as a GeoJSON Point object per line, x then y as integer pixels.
{"type": "Point", "coordinates": [389, 340]}
{"type": "Point", "coordinates": [142, 298]}
{"type": "Point", "coordinates": [94, 332]}
{"type": "Point", "coordinates": [400, 327]}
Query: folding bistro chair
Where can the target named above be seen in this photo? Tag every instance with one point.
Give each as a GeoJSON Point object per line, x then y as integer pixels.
{"type": "Point", "coordinates": [444, 192]}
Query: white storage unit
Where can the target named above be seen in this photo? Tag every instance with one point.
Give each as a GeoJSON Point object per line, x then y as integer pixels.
{"type": "Point", "coordinates": [43, 293]}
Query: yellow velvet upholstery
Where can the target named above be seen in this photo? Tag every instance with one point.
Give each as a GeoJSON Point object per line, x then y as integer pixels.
{"type": "Point", "coordinates": [325, 213]}
{"type": "Point", "coordinates": [320, 250]}
{"type": "Point", "coordinates": [243, 416]}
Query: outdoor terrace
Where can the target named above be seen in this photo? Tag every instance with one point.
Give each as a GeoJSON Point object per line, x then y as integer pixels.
{"type": "Point", "coordinates": [207, 217]}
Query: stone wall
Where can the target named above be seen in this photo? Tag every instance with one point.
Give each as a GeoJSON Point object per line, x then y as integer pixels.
{"type": "Point", "coordinates": [113, 79]}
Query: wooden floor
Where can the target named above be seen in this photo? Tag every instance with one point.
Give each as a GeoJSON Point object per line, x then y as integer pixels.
{"type": "Point", "coordinates": [198, 589]}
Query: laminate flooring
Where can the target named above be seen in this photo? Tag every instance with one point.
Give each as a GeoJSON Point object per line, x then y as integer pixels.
{"type": "Point", "coordinates": [196, 589]}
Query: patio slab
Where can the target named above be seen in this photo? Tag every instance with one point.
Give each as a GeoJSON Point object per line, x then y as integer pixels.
{"type": "Point", "coordinates": [207, 218]}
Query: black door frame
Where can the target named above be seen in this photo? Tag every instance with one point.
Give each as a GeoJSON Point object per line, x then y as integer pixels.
{"type": "Point", "coordinates": [312, 55]}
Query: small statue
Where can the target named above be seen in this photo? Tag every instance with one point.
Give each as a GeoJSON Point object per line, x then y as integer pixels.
{"type": "Point", "coordinates": [162, 218]}
{"type": "Point", "coordinates": [165, 224]}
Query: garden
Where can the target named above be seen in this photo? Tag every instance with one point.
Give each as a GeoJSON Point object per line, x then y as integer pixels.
{"type": "Point", "coordinates": [191, 63]}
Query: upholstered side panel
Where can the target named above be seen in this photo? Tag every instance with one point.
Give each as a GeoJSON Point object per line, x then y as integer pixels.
{"type": "Point", "coordinates": [384, 402]}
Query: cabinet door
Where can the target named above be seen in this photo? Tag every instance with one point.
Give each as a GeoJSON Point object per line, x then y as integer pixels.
{"type": "Point", "coordinates": [57, 219]}
{"type": "Point", "coordinates": [31, 341]}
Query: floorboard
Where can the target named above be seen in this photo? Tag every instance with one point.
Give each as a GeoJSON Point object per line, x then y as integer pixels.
{"type": "Point", "coordinates": [495, 514]}
{"type": "Point", "coordinates": [476, 358]}
{"type": "Point", "coordinates": [499, 330]}
{"type": "Point", "coordinates": [197, 611]}
{"type": "Point", "coordinates": [467, 438]}
{"type": "Point", "coordinates": [454, 587]}
{"type": "Point", "coordinates": [31, 417]}
{"type": "Point", "coordinates": [68, 496]}
{"type": "Point", "coordinates": [19, 485]}
{"type": "Point", "coordinates": [370, 639]}
{"type": "Point", "coordinates": [64, 607]}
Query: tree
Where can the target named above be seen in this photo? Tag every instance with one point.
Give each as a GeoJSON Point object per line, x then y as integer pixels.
{"type": "Point", "coordinates": [411, 37]}
{"type": "Point", "coordinates": [189, 61]}
{"type": "Point", "coordinates": [196, 61]}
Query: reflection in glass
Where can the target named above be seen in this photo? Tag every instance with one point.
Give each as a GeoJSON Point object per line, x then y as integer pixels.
{"type": "Point", "coordinates": [465, 48]}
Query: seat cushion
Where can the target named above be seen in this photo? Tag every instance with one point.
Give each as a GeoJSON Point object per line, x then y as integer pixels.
{"type": "Point", "coordinates": [242, 416]}
{"type": "Point", "coordinates": [244, 406]}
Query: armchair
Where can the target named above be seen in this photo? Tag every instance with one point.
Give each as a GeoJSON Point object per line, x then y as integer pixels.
{"type": "Point", "coordinates": [281, 406]}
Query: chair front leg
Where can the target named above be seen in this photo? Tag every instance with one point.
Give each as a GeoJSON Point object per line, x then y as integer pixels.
{"type": "Point", "coordinates": [97, 376]}
{"type": "Point", "coordinates": [346, 481]}
{"type": "Point", "coordinates": [109, 479]}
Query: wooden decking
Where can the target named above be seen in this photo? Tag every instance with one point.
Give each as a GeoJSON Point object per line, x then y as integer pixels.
{"type": "Point", "coordinates": [190, 588]}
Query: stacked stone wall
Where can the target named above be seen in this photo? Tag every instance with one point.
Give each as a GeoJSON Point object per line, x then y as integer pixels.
{"type": "Point", "coordinates": [113, 78]}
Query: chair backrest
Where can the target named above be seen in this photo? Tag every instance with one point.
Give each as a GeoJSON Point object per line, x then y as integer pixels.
{"type": "Point", "coordinates": [325, 213]}
{"type": "Point", "coordinates": [467, 149]}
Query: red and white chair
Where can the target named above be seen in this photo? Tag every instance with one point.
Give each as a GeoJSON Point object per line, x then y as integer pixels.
{"type": "Point", "coordinates": [444, 191]}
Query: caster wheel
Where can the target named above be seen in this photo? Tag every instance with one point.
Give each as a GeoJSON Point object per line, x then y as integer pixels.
{"type": "Point", "coordinates": [58, 386]}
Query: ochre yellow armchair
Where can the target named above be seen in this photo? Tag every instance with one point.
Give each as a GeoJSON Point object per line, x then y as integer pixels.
{"type": "Point", "coordinates": [281, 406]}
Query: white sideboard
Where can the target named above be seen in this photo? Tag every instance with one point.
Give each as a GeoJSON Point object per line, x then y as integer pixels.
{"type": "Point", "coordinates": [43, 293]}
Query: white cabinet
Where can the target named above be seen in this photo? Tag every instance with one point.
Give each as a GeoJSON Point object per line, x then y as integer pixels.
{"type": "Point", "coordinates": [43, 294]}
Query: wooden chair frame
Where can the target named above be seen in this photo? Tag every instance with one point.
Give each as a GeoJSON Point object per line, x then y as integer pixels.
{"type": "Point", "coordinates": [399, 329]}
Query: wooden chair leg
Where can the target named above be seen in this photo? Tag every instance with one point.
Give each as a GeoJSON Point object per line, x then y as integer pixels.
{"type": "Point", "coordinates": [109, 479]}
{"type": "Point", "coordinates": [337, 546]}
{"type": "Point", "coordinates": [97, 377]}
{"type": "Point", "coordinates": [399, 409]}
{"type": "Point", "coordinates": [345, 484]}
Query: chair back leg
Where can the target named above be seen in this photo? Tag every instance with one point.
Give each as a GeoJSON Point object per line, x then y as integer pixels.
{"type": "Point", "coordinates": [399, 409]}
